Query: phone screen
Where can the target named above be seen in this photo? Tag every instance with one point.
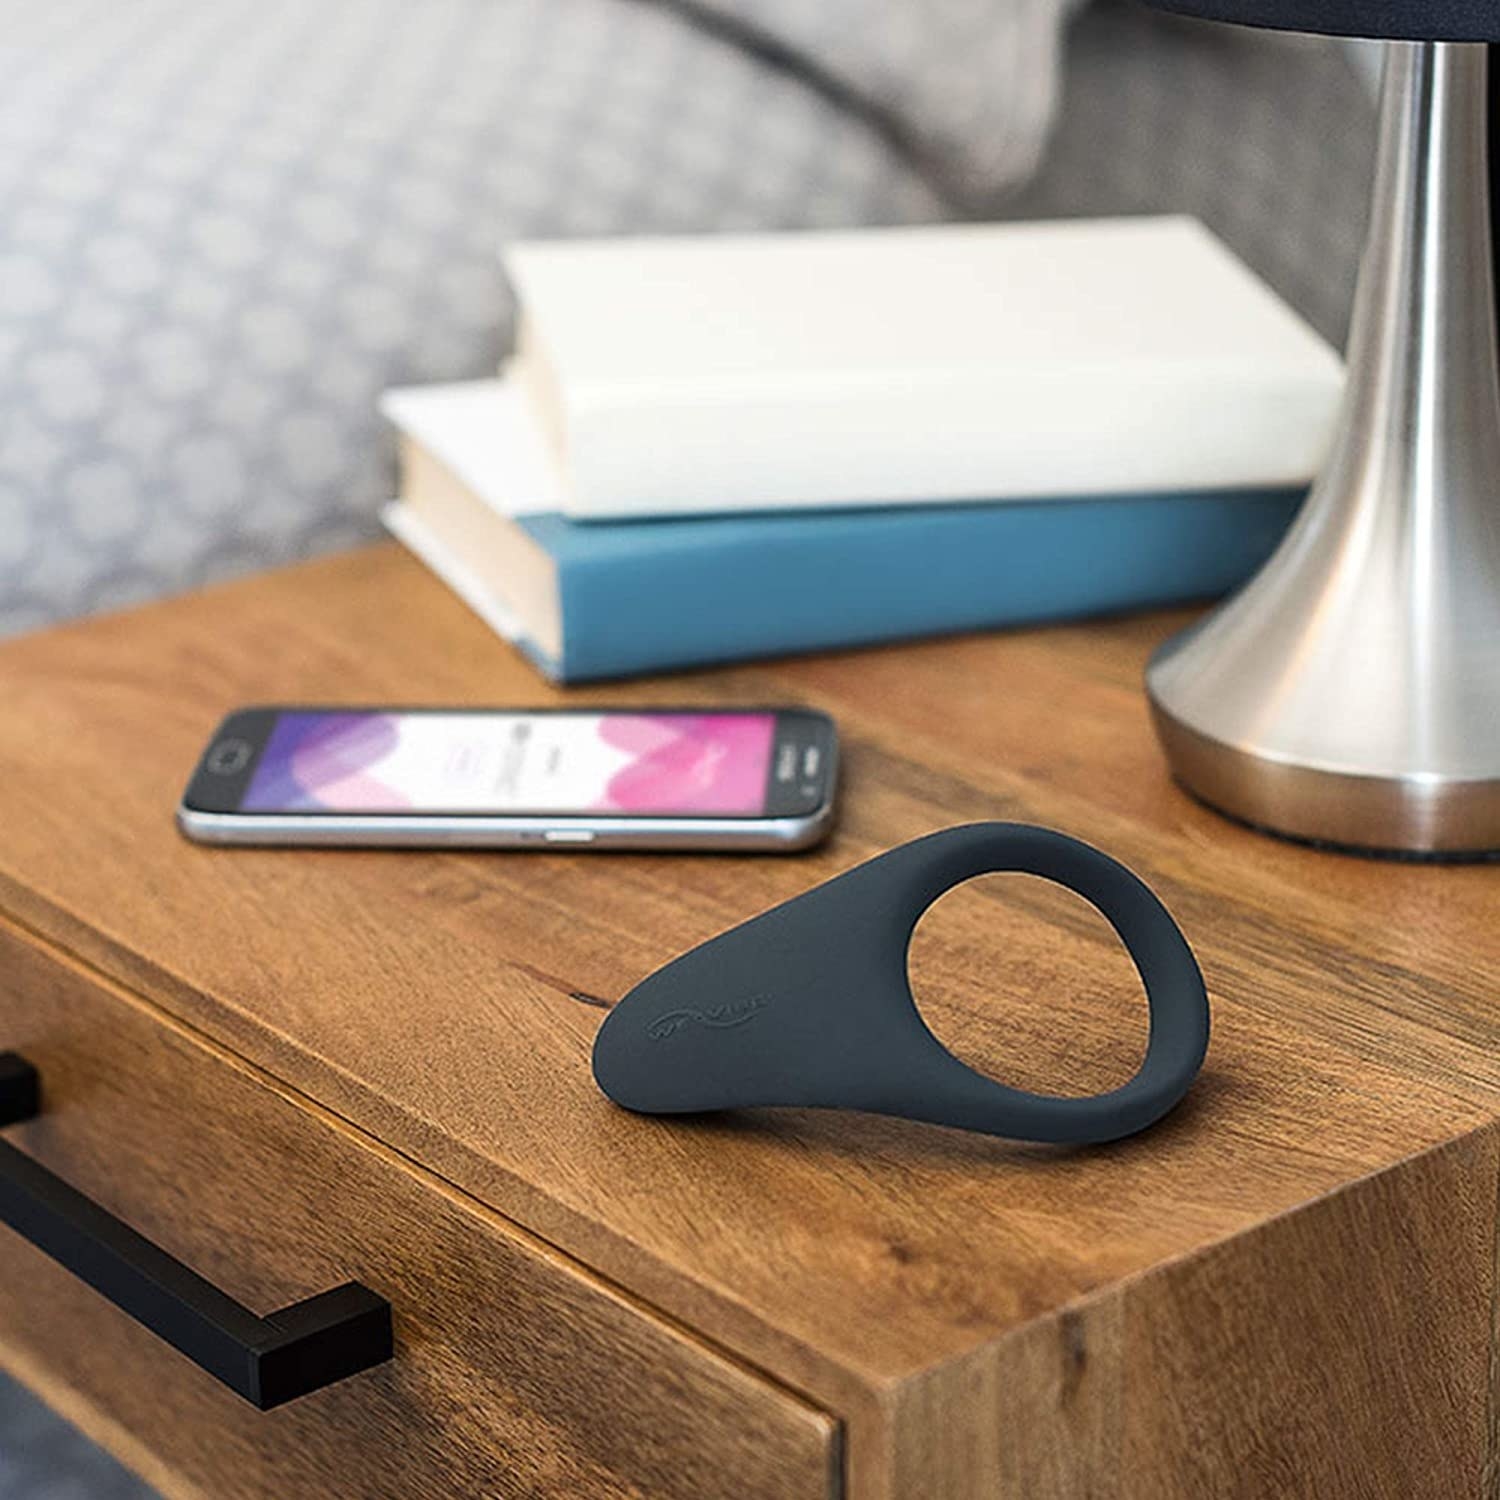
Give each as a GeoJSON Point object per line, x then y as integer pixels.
{"type": "Point", "coordinates": [436, 762]}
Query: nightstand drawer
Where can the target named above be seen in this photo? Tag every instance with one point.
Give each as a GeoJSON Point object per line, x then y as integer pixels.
{"type": "Point", "coordinates": [516, 1371]}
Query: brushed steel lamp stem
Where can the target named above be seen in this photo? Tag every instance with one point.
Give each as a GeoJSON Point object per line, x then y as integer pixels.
{"type": "Point", "coordinates": [1350, 693]}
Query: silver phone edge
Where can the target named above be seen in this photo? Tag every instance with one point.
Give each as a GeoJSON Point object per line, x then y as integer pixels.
{"type": "Point", "coordinates": [374, 831]}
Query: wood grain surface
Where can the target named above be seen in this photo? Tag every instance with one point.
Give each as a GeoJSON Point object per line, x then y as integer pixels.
{"type": "Point", "coordinates": [517, 1372]}
{"type": "Point", "coordinates": [985, 1319]}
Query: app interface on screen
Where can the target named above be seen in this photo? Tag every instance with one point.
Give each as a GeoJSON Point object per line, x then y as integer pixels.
{"type": "Point", "coordinates": [684, 764]}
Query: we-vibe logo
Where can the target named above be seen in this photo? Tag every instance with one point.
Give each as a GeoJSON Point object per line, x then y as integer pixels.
{"type": "Point", "coordinates": [719, 1018]}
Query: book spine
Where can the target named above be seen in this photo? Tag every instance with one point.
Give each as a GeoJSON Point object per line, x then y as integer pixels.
{"type": "Point", "coordinates": [734, 588]}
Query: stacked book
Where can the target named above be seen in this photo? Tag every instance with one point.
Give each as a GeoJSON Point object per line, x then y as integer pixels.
{"type": "Point", "coordinates": [716, 448]}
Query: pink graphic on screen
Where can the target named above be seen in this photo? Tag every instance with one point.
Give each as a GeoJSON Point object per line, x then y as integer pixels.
{"type": "Point", "coordinates": [668, 764]}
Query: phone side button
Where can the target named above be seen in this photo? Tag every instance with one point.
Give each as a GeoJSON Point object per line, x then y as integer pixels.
{"type": "Point", "coordinates": [569, 836]}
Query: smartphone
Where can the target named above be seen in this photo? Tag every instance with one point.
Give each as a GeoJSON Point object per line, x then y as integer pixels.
{"type": "Point", "coordinates": [749, 779]}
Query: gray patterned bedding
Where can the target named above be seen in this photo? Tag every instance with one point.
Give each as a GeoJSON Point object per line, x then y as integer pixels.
{"type": "Point", "coordinates": [224, 227]}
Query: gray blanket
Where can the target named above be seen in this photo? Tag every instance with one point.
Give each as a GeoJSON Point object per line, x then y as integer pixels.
{"type": "Point", "coordinates": [225, 227]}
{"type": "Point", "coordinates": [966, 88]}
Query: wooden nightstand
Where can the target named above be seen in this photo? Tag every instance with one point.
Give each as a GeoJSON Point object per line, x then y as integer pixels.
{"type": "Point", "coordinates": [295, 1070]}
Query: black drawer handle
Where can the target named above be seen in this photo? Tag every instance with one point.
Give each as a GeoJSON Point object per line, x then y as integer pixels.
{"type": "Point", "coordinates": [266, 1360]}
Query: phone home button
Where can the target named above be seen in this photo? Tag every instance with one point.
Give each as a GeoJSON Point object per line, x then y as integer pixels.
{"type": "Point", "coordinates": [569, 836]}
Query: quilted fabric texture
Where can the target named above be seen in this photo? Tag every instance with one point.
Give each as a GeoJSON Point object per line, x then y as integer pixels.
{"type": "Point", "coordinates": [970, 84]}
{"type": "Point", "coordinates": [1269, 139]}
{"type": "Point", "coordinates": [224, 227]}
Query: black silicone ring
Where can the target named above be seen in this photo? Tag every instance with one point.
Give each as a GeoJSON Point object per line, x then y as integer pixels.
{"type": "Point", "coordinates": [810, 1003]}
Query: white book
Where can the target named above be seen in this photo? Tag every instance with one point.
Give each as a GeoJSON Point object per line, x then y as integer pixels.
{"type": "Point", "coordinates": [901, 366]}
{"type": "Point", "coordinates": [474, 465]}
{"type": "Point", "coordinates": [487, 434]}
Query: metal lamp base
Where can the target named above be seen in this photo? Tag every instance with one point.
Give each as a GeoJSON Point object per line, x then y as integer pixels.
{"type": "Point", "coordinates": [1383, 817]}
{"type": "Point", "coordinates": [1350, 693]}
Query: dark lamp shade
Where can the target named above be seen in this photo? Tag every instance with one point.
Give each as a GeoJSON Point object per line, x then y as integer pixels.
{"type": "Point", "coordinates": [1400, 20]}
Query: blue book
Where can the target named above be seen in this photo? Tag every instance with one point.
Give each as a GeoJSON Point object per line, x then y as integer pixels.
{"type": "Point", "coordinates": [587, 601]}
{"type": "Point", "coordinates": [597, 599]}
